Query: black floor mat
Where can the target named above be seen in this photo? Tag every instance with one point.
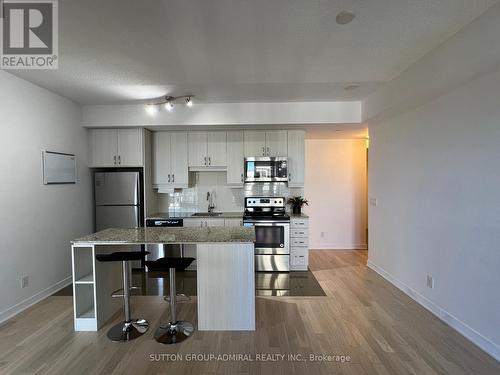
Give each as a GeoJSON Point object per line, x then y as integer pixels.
{"type": "Point", "coordinates": [266, 284]}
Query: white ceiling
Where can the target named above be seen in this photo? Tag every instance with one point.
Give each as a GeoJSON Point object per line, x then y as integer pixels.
{"type": "Point", "coordinates": [118, 51]}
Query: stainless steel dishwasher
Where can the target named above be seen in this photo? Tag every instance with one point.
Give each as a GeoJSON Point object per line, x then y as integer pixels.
{"type": "Point", "coordinates": [161, 251]}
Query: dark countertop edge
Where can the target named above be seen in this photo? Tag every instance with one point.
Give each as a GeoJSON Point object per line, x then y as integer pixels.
{"type": "Point", "coordinates": [189, 215]}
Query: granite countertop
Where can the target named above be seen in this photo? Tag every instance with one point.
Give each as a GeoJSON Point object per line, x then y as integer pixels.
{"type": "Point", "coordinates": [189, 214]}
{"type": "Point", "coordinates": [163, 235]}
{"type": "Point", "coordinates": [299, 216]}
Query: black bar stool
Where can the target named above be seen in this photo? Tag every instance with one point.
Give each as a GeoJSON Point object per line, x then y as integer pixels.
{"type": "Point", "coordinates": [176, 330]}
{"type": "Point", "coordinates": [128, 329]}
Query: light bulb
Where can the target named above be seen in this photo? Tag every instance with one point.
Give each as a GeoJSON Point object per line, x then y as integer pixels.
{"type": "Point", "coordinates": [169, 106]}
{"type": "Point", "coordinates": [151, 109]}
{"type": "Point", "coordinates": [189, 102]}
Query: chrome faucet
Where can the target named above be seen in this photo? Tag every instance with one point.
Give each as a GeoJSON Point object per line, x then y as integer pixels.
{"type": "Point", "coordinates": [210, 199]}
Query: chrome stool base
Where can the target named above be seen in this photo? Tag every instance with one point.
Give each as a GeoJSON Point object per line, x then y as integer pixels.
{"type": "Point", "coordinates": [126, 331]}
{"type": "Point", "coordinates": [174, 333]}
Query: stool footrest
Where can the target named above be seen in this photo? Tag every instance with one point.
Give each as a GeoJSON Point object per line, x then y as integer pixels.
{"type": "Point", "coordinates": [184, 298]}
{"type": "Point", "coordinates": [116, 293]}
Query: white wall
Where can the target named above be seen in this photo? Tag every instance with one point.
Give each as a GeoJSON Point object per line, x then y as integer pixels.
{"type": "Point", "coordinates": [435, 172]}
{"type": "Point", "coordinates": [233, 114]}
{"type": "Point", "coordinates": [335, 185]}
{"type": "Point", "coordinates": [37, 221]}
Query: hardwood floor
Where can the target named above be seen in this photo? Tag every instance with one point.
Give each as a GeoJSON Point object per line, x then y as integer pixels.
{"type": "Point", "coordinates": [363, 316]}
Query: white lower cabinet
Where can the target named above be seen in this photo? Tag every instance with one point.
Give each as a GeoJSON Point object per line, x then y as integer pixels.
{"type": "Point", "coordinates": [299, 258]}
{"type": "Point", "coordinates": [214, 222]}
{"type": "Point", "coordinates": [203, 222]}
{"type": "Point", "coordinates": [299, 244]}
{"type": "Point", "coordinates": [233, 222]}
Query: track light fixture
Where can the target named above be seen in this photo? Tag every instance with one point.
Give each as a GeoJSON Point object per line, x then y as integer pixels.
{"type": "Point", "coordinates": [168, 103]}
{"type": "Point", "coordinates": [151, 109]}
{"type": "Point", "coordinates": [169, 106]}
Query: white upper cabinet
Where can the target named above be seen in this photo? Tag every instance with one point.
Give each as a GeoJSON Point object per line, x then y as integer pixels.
{"type": "Point", "coordinates": [197, 142]}
{"type": "Point", "coordinates": [116, 148]}
{"type": "Point", "coordinates": [129, 147]}
{"type": "Point", "coordinates": [161, 158]}
{"type": "Point", "coordinates": [296, 151]}
{"type": "Point", "coordinates": [255, 143]}
{"type": "Point", "coordinates": [179, 158]}
{"type": "Point", "coordinates": [276, 143]}
{"type": "Point", "coordinates": [102, 147]}
{"type": "Point", "coordinates": [207, 149]}
{"type": "Point", "coordinates": [235, 158]}
{"type": "Point", "coordinates": [265, 143]}
{"type": "Point", "coordinates": [170, 168]}
{"type": "Point", "coordinates": [216, 149]}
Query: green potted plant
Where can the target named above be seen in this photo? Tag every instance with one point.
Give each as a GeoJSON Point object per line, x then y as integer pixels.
{"type": "Point", "coordinates": [297, 203]}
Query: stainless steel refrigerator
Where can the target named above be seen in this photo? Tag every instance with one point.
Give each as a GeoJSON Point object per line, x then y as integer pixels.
{"type": "Point", "coordinates": [118, 202]}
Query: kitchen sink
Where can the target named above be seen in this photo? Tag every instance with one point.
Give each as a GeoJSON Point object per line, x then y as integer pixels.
{"type": "Point", "coordinates": [205, 214]}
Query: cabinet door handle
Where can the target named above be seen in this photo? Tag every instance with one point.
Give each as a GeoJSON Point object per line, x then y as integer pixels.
{"type": "Point", "coordinates": [289, 177]}
{"type": "Point", "coordinates": [173, 178]}
{"type": "Point", "coordinates": [114, 157]}
{"type": "Point", "coordinates": [119, 159]}
{"type": "Point", "coordinates": [209, 160]}
{"type": "Point", "coordinates": [205, 160]}
{"type": "Point", "coordinates": [169, 177]}
{"type": "Point", "coordinates": [242, 177]}
{"type": "Point", "coordinates": [268, 151]}
{"type": "Point", "coordinates": [263, 151]}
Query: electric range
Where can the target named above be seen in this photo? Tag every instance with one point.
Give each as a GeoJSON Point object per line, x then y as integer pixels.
{"type": "Point", "coordinates": [272, 232]}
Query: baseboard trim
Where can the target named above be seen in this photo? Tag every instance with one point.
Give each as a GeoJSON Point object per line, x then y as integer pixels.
{"type": "Point", "coordinates": [470, 333]}
{"type": "Point", "coordinates": [37, 297]}
{"type": "Point", "coordinates": [339, 247]}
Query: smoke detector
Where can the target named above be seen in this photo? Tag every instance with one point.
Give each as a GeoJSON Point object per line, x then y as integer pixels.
{"type": "Point", "coordinates": [345, 17]}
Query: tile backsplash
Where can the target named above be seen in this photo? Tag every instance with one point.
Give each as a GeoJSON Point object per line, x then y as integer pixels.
{"type": "Point", "coordinates": [226, 199]}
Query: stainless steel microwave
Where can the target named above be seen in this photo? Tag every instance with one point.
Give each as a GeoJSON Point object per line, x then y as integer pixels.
{"type": "Point", "coordinates": [266, 169]}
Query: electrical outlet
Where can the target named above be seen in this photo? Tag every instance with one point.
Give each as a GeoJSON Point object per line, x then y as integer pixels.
{"type": "Point", "coordinates": [373, 202]}
{"type": "Point", "coordinates": [322, 234]}
{"type": "Point", "coordinates": [24, 282]}
{"type": "Point", "coordinates": [430, 282]}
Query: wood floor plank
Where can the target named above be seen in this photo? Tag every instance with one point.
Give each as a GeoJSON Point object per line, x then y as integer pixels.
{"type": "Point", "coordinates": [362, 316]}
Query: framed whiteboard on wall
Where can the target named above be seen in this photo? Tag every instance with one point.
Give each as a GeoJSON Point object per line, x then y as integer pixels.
{"type": "Point", "coordinates": [58, 168]}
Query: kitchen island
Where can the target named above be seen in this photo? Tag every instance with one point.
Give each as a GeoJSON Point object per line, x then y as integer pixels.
{"type": "Point", "coordinates": [225, 274]}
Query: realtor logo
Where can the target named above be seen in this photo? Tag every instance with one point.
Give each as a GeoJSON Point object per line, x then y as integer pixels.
{"type": "Point", "coordinates": [29, 37]}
